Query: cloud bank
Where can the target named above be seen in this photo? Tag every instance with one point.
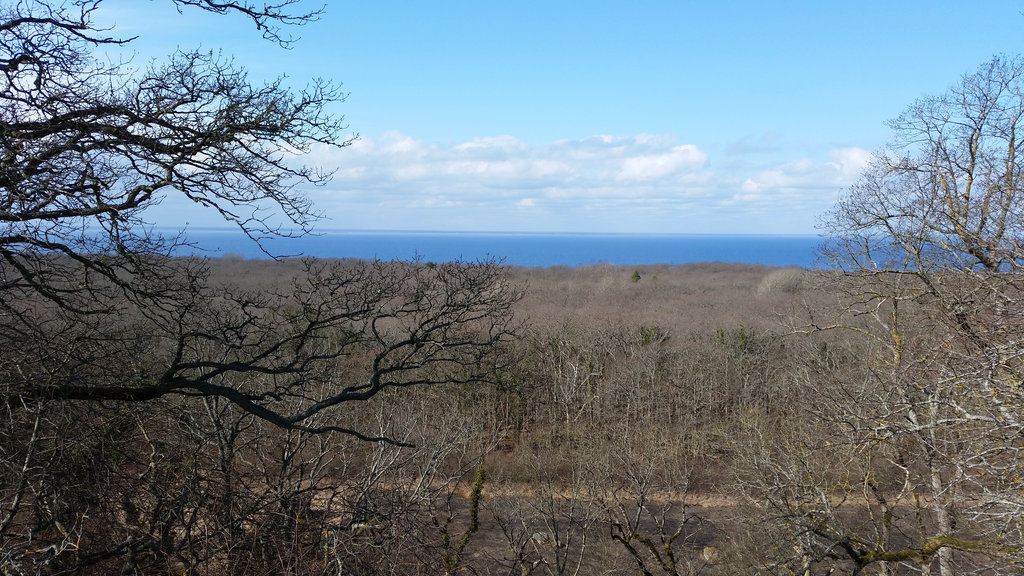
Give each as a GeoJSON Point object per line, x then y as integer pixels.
{"type": "Point", "coordinates": [642, 183]}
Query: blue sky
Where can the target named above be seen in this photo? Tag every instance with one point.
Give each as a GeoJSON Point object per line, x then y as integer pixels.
{"type": "Point", "coordinates": [656, 116]}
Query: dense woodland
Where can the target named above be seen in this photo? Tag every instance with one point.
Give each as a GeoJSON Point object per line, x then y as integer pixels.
{"type": "Point", "coordinates": [170, 415]}
{"type": "Point", "coordinates": [621, 431]}
{"type": "Point", "coordinates": [652, 420]}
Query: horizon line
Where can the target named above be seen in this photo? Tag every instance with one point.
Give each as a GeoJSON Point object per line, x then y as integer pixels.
{"type": "Point", "coordinates": [323, 231]}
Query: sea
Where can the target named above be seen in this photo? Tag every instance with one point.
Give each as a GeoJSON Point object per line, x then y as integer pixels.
{"type": "Point", "coordinates": [517, 249]}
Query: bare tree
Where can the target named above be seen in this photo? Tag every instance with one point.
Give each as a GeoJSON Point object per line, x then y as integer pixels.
{"type": "Point", "coordinates": [642, 488]}
{"type": "Point", "coordinates": [925, 439]}
{"type": "Point", "coordinates": [88, 294]}
{"type": "Point", "coordinates": [106, 336]}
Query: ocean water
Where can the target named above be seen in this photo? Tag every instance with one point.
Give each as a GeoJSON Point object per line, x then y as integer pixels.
{"type": "Point", "coordinates": [522, 249]}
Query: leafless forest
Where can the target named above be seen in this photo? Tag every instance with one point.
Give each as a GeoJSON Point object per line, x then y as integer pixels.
{"type": "Point", "coordinates": [696, 419]}
{"type": "Point", "coordinates": [619, 431]}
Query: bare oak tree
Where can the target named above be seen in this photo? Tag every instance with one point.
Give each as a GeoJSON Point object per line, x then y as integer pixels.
{"type": "Point", "coordinates": [102, 327]}
{"type": "Point", "coordinates": [88, 147]}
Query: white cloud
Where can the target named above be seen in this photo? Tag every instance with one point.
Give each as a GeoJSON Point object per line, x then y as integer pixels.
{"type": "Point", "coordinates": [505, 162]}
{"type": "Point", "coordinates": [641, 183]}
{"type": "Point", "coordinates": [502, 143]}
{"type": "Point", "coordinates": [655, 166]}
{"type": "Point", "coordinates": [807, 174]}
{"type": "Point", "coordinates": [394, 143]}
{"type": "Point", "coordinates": [850, 162]}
